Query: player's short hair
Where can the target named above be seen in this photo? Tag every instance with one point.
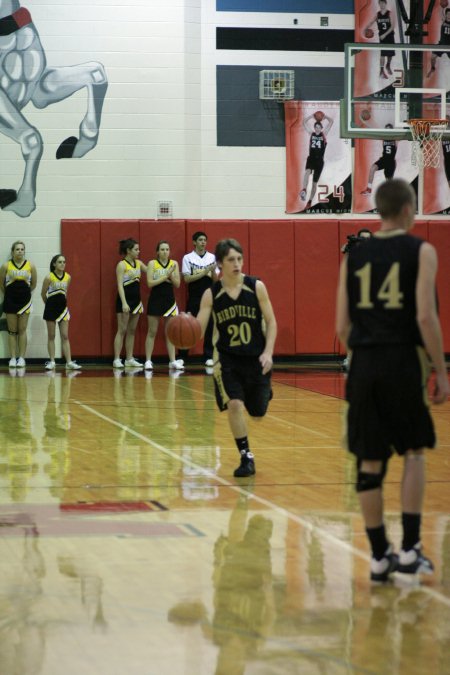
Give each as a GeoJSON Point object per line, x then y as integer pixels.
{"type": "Point", "coordinates": [126, 244]}
{"type": "Point", "coordinates": [224, 246]}
{"type": "Point", "coordinates": [198, 234]}
{"type": "Point", "coordinates": [54, 259]}
{"type": "Point", "coordinates": [392, 196]}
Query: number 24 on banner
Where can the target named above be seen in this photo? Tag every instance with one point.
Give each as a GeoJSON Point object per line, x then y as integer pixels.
{"type": "Point", "coordinates": [338, 193]}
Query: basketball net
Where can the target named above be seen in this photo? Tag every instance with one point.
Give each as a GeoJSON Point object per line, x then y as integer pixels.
{"type": "Point", "coordinates": [426, 141]}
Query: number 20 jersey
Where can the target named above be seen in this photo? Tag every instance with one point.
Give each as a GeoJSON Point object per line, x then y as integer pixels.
{"type": "Point", "coordinates": [238, 324]}
{"type": "Point", "coordinates": [381, 286]}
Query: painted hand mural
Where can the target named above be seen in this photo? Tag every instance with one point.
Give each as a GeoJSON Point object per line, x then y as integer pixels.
{"type": "Point", "coordinates": [25, 77]}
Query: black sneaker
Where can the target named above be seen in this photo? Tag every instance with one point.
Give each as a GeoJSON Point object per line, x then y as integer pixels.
{"type": "Point", "coordinates": [414, 562]}
{"type": "Point", "coordinates": [381, 569]}
{"type": "Point", "coordinates": [246, 467]}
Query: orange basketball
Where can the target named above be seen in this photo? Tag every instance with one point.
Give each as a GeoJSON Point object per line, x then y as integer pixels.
{"type": "Point", "coordinates": [365, 114]}
{"type": "Point", "coordinates": [184, 330]}
{"type": "Point", "coordinates": [444, 4]}
{"type": "Point", "coordinates": [368, 33]}
{"type": "Point", "coordinates": [319, 115]}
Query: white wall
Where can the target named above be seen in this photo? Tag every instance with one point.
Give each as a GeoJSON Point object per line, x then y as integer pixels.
{"type": "Point", "coordinates": [158, 132]}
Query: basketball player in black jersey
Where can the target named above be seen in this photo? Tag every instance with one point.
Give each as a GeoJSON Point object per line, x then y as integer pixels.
{"type": "Point", "coordinates": [386, 162]}
{"type": "Point", "coordinates": [446, 153]}
{"type": "Point", "coordinates": [386, 36]}
{"type": "Point", "coordinates": [444, 40]}
{"type": "Point", "coordinates": [315, 161]}
{"type": "Point", "coordinates": [386, 314]}
{"type": "Point", "coordinates": [243, 348]}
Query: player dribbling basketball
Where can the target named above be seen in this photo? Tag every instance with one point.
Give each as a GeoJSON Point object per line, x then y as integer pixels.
{"type": "Point", "coordinates": [385, 21]}
{"type": "Point", "coordinates": [242, 349]}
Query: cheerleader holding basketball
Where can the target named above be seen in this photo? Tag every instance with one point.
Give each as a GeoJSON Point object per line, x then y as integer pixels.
{"type": "Point", "coordinates": [54, 295]}
{"type": "Point", "coordinates": [17, 282]}
{"type": "Point", "coordinates": [163, 274]}
{"type": "Point", "coordinates": [128, 302]}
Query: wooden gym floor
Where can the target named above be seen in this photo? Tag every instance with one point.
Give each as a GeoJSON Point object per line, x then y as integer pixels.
{"type": "Point", "coordinates": [128, 548]}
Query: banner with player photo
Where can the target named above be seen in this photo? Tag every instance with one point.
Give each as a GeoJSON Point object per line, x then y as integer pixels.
{"type": "Point", "coordinates": [378, 21]}
{"type": "Point", "coordinates": [436, 180]}
{"type": "Point", "coordinates": [436, 193]}
{"type": "Point", "coordinates": [376, 160]}
{"type": "Point", "coordinates": [318, 161]}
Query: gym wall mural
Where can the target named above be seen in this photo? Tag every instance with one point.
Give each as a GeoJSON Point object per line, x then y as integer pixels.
{"type": "Point", "coordinates": [25, 77]}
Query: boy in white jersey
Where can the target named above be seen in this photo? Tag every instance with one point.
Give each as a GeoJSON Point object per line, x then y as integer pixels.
{"type": "Point", "coordinates": [199, 272]}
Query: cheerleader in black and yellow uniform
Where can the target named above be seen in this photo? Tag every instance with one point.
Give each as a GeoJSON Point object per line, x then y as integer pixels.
{"type": "Point", "coordinates": [17, 282]}
{"type": "Point", "coordinates": [54, 296]}
{"type": "Point", "coordinates": [162, 275]}
{"type": "Point", "coordinates": [128, 302]}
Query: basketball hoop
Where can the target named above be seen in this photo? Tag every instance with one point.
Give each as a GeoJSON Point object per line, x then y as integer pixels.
{"type": "Point", "coordinates": [426, 141]}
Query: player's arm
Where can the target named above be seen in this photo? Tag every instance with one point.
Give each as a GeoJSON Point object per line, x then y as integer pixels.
{"type": "Point", "coordinates": [143, 266]}
{"type": "Point", "coordinates": [428, 320]}
{"type": "Point", "coordinates": [33, 277]}
{"type": "Point", "coordinates": [390, 29]}
{"type": "Point", "coordinates": [2, 277]}
{"type": "Point", "coordinates": [329, 125]}
{"type": "Point", "coordinates": [120, 270]}
{"type": "Point", "coordinates": [343, 324]}
{"type": "Point", "coordinates": [69, 279]}
{"type": "Point", "coordinates": [271, 326]}
{"type": "Point", "coordinates": [205, 310]}
{"type": "Point", "coordinates": [368, 25]}
{"type": "Point", "coordinates": [305, 123]}
{"type": "Point", "coordinates": [44, 289]}
{"type": "Point", "coordinates": [174, 274]}
{"type": "Point", "coordinates": [198, 274]}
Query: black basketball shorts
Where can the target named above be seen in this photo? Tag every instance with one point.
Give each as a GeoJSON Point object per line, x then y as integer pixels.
{"type": "Point", "coordinates": [388, 404]}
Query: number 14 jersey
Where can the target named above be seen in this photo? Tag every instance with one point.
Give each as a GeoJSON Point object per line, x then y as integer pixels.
{"type": "Point", "coordinates": [381, 285]}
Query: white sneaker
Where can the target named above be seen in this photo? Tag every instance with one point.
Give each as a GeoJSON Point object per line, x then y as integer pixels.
{"type": "Point", "coordinates": [148, 365]}
{"type": "Point", "coordinates": [12, 362]}
{"type": "Point", "coordinates": [176, 365]}
{"type": "Point", "coordinates": [117, 363]}
{"type": "Point", "coordinates": [132, 363]}
{"type": "Point", "coordinates": [50, 365]}
{"type": "Point", "coordinates": [209, 363]}
{"type": "Point", "coordinates": [73, 365]}
{"type": "Point", "coordinates": [20, 363]}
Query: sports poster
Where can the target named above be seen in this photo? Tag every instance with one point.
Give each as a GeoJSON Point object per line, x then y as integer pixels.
{"type": "Point", "coordinates": [318, 161]}
{"type": "Point", "coordinates": [376, 160]}
{"type": "Point", "coordinates": [436, 197]}
{"type": "Point", "coordinates": [378, 21]}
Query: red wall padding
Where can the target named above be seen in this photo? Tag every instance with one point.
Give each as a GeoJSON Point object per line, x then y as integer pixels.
{"type": "Point", "coordinates": [273, 260]}
{"type": "Point", "coordinates": [439, 236]}
{"type": "Point", "coordinates": [316, 274]}
{"type": "Point", "coordinates": [80, 243]}
{"type": "Point", "coordinates": [298, 261]}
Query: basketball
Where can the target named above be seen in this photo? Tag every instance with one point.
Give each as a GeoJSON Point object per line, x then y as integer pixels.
{"type": "Point", "coordinates": [365, 114]}
{"type": "Point", "coordinates": [368, 33]}
{"type": "Point", "coordinates": [184, 330]}
{"type": "Point", "coordinates": [319, 115]}
{"type": "Point", "coordinates": [444, 4]}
